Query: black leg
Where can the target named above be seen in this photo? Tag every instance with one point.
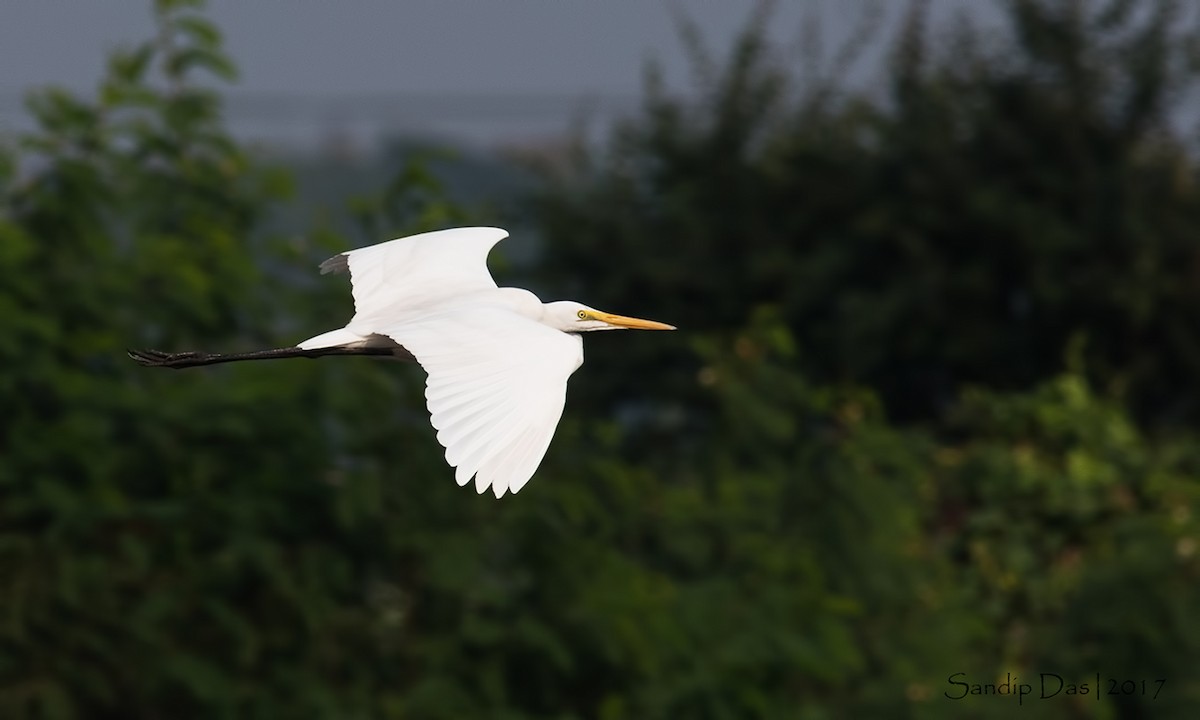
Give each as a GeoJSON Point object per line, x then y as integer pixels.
{"type": "Point", "coordinates": [158, 358]}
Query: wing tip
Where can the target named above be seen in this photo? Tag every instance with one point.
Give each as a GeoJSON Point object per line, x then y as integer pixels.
{"type": "Point", "coordinates": [337, 264]}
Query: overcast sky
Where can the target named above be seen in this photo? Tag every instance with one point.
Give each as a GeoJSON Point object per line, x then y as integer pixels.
{"type": "Point", "coordinates": [478, 70]}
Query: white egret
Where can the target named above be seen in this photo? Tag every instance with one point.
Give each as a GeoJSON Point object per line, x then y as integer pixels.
{"type": "Point", "coordinates": [497, 358]}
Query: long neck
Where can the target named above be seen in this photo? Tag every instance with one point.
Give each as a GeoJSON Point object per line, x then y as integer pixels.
{"type": "Point", "coordinates": [523, 302]}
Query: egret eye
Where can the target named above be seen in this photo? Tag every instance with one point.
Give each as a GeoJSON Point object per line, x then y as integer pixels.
{"type": "Point", "coordinates": [582, 315]}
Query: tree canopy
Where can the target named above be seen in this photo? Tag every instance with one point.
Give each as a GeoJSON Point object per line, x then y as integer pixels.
{"type": "Point", "coordinates": [932, 408]}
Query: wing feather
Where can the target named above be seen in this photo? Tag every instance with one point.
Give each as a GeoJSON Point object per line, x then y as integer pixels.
{"type": "Point", "coordinates": [392, 277]}
{"type": "Point", "coordinates": [496, 388]}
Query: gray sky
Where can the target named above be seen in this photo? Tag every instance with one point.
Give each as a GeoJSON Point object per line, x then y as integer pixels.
{"type": "Point", "coordinates": [480, 71]}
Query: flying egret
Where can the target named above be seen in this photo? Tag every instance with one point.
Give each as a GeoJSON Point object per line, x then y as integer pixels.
{"type": "Point", "coordinates": [497, 358]}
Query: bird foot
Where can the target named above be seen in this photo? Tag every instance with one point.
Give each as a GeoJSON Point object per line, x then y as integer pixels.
{"type": "Point", "coordinates": [158, 358]}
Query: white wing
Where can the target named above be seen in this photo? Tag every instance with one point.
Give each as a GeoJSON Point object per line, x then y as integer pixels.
{"type": "Point", "coordinates": [393, 278]}
{"type": "Point", "coordinates": [496, 388]}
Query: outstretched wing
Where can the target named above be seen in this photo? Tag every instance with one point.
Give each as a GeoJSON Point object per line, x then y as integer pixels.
{"type": "Point", "coordinates": [496, 387]}
{"type": "Point", "coordinates": [393, 277]}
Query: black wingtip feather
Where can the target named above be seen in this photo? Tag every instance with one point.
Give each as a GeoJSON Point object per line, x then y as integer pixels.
{"type": "Point", "coordinates": [336, 264]}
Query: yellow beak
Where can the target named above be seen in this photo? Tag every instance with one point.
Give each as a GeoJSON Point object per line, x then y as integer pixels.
{"type": "Point", "coordinates": [631, 323]}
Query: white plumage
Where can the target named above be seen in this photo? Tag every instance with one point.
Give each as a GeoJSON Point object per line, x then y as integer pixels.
{"type": "Point", "coordinates": [498, 359]}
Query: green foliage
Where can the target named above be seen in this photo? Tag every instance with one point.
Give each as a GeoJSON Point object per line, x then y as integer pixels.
{"type": "Point", "coordinates": [1002, 203]}
{"type": "Point", "coordinates": [1013, 218]}
{"type": "Point", "coordinates": [157, 541]}
{"type": "Point", "coordinates": [932, 409]}
{"type": "Point", "coordinates": [1077, 536]}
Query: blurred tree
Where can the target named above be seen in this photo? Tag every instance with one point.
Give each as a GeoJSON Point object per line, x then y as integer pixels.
{"type": "Point", "coordinates": [1076, 542]}
{"type": "Point", "coordinates": [172, 546]}
{"type": "Point", "coordinates": [1006, 208]}
{"type": "Point", "coordinates": [1006, 199]}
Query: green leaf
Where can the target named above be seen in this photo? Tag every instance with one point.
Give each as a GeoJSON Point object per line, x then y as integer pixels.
{"type": "Point", "coordinates": [184, 62]}
{"type": "Point", "coordinates": [203, 33]}
{"type": "Point", "coordinates": [129, 66]}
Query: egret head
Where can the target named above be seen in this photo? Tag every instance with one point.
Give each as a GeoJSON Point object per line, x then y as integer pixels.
{"type": "Point", "coordinates": [574, 317]}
